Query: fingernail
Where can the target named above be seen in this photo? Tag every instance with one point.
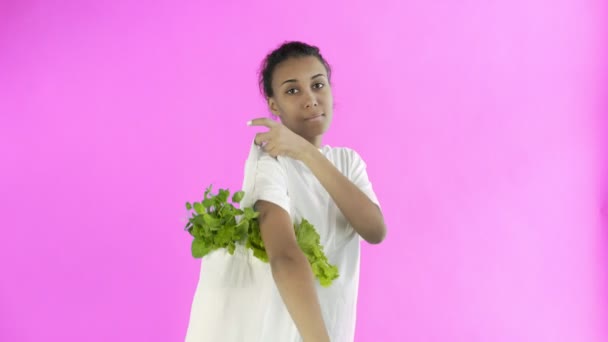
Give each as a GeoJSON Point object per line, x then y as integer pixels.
{"type": "Point", "coordinates": [248, 123]}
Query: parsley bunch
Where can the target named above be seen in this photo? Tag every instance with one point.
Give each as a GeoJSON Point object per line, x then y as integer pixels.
{"type": "Point", "coordinates": [216, 224]}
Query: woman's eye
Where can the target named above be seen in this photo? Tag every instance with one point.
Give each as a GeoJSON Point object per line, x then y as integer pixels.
{"type": "Point", "coordinates": [319, 85]}
{"type": "Point", "coordinates": [292, 91]}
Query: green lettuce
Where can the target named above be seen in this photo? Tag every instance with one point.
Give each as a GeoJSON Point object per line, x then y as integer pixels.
{"type": "Point", "coordinates": [216, 224]}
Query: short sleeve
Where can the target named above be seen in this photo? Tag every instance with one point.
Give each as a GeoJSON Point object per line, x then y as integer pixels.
{"type": "Point", "coordinates": [270, 183]}
{"type": "Point", "coordinates": [358, 175]}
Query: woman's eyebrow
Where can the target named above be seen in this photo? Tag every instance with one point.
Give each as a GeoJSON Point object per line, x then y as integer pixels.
{"type": "Point", "coordinates": [296, 81]}
{"type": "Point", "coordinates": [290, 81]}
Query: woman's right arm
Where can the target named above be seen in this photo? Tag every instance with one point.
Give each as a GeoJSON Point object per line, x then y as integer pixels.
{"type": "Point", "coordinates": [291, 271]}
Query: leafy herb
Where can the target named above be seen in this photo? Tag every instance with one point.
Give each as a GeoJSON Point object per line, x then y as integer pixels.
{"type": "Point", "coordinates": [217, 224]}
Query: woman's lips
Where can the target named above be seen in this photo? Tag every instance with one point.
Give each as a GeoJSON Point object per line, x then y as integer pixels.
{"type": "Point", "coordinates": [316, 117]}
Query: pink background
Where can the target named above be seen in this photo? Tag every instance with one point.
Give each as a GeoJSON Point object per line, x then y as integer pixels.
{"type": "Point", "coordinates": [481, 123]}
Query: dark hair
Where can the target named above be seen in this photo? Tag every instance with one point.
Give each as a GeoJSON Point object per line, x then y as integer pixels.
{"type": "Point", "coordinates": [282, 53]}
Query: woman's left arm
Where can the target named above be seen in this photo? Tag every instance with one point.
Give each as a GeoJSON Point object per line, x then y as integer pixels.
{"type": "Point", "coordinates": [363, 215]}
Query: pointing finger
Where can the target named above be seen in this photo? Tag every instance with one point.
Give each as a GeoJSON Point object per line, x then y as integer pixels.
{"type": "Point", "coordinates": [262, 122]}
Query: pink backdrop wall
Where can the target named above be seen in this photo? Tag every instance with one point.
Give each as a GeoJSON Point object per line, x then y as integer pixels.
{"type": "Point", "coordinates": [480, 122]}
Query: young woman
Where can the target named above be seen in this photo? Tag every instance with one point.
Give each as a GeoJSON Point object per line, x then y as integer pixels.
{"type": "Point", "coordinates": [294, 177]}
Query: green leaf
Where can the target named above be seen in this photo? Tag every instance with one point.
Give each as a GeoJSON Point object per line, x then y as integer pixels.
{"type": "Point", "coordinates": [196, 231]}
{"type": "Point", "coordinates": [238, 196]}
{"type": "Point", "coordinates": [225, 211]}
{"type": "Point", "coordinates": [188, 206]}
{"type": "Point", "coordinates": [259, 253]}
{"type": "Point", "coordinates": [222, 196]}
{"type": "Point", "coordinates": [223, 237]}
{"type": "Point", "coordinates": [200, 248]}
{"type": "Point", "coordinates": [207, 218]}
{"type": "Point", "coordinates": [231, 247]}
{"type": "Point", "coordinates": [198, 220]}
{"type": "Point", "coordinates": [199, 208]}
{"type": "Point", "coordinates": [244, 224]}
{"type": "Point", "coordinates": [249, 213]}
{"type": "Point", "coordinates": [211, 221]}
{"type": "Point", "coordinates": [207, 203]}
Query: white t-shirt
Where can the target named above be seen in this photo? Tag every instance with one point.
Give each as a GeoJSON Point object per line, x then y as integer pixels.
{"type": "Point", "coordinates": [237, 300]}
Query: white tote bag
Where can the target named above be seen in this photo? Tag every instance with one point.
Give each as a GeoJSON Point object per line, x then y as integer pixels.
{"type": "Point", "coordinates": [230, 300]}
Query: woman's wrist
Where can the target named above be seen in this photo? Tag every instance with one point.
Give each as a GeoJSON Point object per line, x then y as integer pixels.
{"type": "Point", "coordinates": [309, 154]}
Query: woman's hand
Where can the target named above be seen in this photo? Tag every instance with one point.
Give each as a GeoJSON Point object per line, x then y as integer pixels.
{"type": "Point", "coordinates": [280, 140]}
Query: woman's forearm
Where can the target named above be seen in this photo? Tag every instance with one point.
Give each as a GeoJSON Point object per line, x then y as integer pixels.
{"type": "Point", "coordinates": [294, 279]}
{"type": "Point", "coordinates": [363, 215]}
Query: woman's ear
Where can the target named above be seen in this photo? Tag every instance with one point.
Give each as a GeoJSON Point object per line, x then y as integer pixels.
{"type": "Point", "coordinates": [274, 108]}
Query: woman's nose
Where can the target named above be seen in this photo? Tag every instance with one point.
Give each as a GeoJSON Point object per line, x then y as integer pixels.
{"type": "Point", "coordinates": [311, 101]}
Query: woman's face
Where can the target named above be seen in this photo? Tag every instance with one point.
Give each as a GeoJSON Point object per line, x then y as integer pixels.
{"type": "Point", "coordinates": [302, 97]}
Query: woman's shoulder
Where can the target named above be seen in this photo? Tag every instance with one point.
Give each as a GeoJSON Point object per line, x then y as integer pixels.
{"type": "Point", "coordinates": [343, 153]}
{"type": "Point", "coordinates": [346, 159]}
